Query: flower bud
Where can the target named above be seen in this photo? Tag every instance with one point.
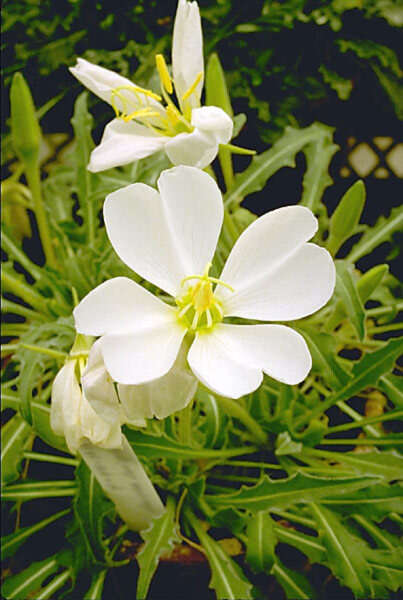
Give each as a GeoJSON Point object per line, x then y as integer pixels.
{"type": "Point", "coordinates": [346, 216]}
{"type": "Point", "coordinates": [25, 130]}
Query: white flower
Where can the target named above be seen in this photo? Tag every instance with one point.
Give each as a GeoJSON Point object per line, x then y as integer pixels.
{"type": "Point", "coordinates": [169, 238]}
{"type": "Point", "coordinates": [100, 442]}
{"type": "Point", "coordinates": [189, 134]}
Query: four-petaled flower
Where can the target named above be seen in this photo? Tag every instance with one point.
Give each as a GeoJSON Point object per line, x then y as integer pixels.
{"type": "Point", "coordinates": [169, 238]}
{"type": "Point", "coordinates": [190, 134]}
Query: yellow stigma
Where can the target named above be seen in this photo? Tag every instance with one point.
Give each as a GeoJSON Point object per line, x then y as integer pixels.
{"type": "Point", "coordinates": [193, 87]}
{"type": "Point", "coordinates": [199, 308]}
{"type": "Point", "coordinates": [163, 73]}
{"type": "Point", "coordinates": [173, 114]}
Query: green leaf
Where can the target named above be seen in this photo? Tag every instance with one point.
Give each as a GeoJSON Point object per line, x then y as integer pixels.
{"type": "Point", "coordinates": [346, 217]}
{"type": "Point", "coordinates": [381, 232]}
{"type": "Point", "coordinates": [374, 502]}
{"type": "Point", "coordinates": [39, 489]}
{"type": "Point", "coordinates": [227, 579]}
{"type": "Point", "coordinates": [261, 543]}
{"type": "Point", "coordinates": [387, 567]}
{"type": "Point", "coordinates": [365, 373]}
{"type": "Point", "coordinates": [322, 348]}
{"type": "Point", "coordinates": [393, 388]}
{"type": "Point", "coordinates": [14, 438]}
{"type": "Point", "coordinates": [159, 539]}
{"type": "Point", "coordinates": [388, 465]}
{"type": "Point", "coordinates": [10, 543]}
{"type": "Point", "coordinates": [340, 85]}
{"type": "Point", "coordinates": [368, 282]}
{"type": "Point", "coordinates": [295, 585]}
{"type": "Point", "coordinates": [307, 544]}
{"type": "Point", "coordinates": [95, 591]}
{"type": "Point", "coordinates": [40, 413]}
{"type": "Point", "coordinates": [344, 552]}
{"type": "Point", "coordinates": [348, 294]}
{"type": "Point", "coordinates": [285, 445]}
{"type": "Point", "coordinates": [153, 446]}
{"type": "Point", "coordinates": [263, 166]}
{"type": "Point", "coordinates": [316, 179]}
{"type": "Point", "coordinates": [216, 420]}
{"type": "Point", "coordinates": [90, 508]}
{"type": "Point", "coordinates": [299, 488]}
{"type": "Point", "coordinates": [27, 582]}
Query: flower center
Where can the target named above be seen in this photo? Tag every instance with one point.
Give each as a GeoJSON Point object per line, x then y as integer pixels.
{"type": "Point", "coordinates": [169, 124]}
{"type": "Point", "coordinates": [198, 307]}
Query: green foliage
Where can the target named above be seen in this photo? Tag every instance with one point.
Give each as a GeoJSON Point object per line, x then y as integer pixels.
{"type": "Point", "coordinates": [256, 468]}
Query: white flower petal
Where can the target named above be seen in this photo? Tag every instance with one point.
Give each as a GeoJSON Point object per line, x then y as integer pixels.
{"type": "Point", "coordinates": [124, 480]}
{"type": "Point", "coordinates": [98, 387]}
{"type": "Point", "coordinates": [187, 51]}
{"type": "Point", "coordinates": [96, 430]}
{"type": "Point", "coordinates": [65, 391]}
{"type": "Point", "coordinates": [215, 363]}
{"type": "Point", "coordinates": [123, 143]}
{"type": "Point", "coordinates": [215, 121]}
{"type": "Point", "coordinates": [102, 81]}
{"type": "Point", "coordinates": [277, 350]}
{"type": "Point", "coordinates": [297, 288]}
{"type": "Point", "coordinates": [163, 396]}
{"type": "Point", "coordinates": [143, 356]}
{"type": "Point", "coordinates": [196, 149]}
{"type": "Point", "coordinates": [120, 306]}
{"type": "Point", "coordinates": [166, 237]}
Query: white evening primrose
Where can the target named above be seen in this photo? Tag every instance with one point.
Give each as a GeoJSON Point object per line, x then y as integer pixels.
{"type": "Point", "coordinates": [147, 122]}
{"type": "Point", "coordinates": [99, 440]}
{"type": "Point", "coordinates": [169, 238]}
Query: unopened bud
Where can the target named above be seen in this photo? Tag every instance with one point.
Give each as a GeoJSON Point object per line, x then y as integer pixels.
{"type": "Point", "coordinates": [25, 130]}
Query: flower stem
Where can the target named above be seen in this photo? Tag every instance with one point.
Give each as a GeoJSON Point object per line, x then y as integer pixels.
{"type": "Point", "coordinates": [234, 409]}
{"type": "Point", "coordinates": [34, 181]}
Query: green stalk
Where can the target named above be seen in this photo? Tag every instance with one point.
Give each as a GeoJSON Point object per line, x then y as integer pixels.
{"type": "Point", "coordinates": [366, 421]}
{"type": "Point", "coordinates": [17, 254]}
{"type": "Point", "coordinates": [51, 458]}
{"type": "Point", "coordinates": [234, 409]}
{"type": "Point", "coordinates": [32, 173]}
{"type": "Point", "coordinates": [9, 306]}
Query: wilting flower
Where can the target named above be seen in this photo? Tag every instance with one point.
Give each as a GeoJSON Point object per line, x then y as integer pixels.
{"type": "Point", "coordinates": [169, 238]}
{"type": "Point", "coordinates": [190, 134]}
{"type": "Point", "coordinates": [99, 440]}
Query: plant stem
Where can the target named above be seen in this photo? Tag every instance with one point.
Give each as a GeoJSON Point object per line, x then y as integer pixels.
{"type": "Point", "coordinates": [43, 350]}
{"type": "Point", "coordinates": [234, 409]}
{"type": "Point", "coordinates": [384, 328]}
{"type": "Point", "coordinates": [252, 464]}
{"type": "Point", "coordinates": [366, 421]}
{"type": "Point", "coordinates": [363, 442]}
{"type": "Point", "coordinates": [23, 291]}
{"type": "Point", "coordinates": [33, 176]}
{"type": "Point", "coordinates": [382, 310]}
{"type": "Point", "coordinates": [51, 458]}
{"type": "Point", "coordinates": [8, 306]}
{"type": "Point", "coordinates": [17, 254]}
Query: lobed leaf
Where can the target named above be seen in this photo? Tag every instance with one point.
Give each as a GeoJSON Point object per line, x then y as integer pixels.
{"type": "Point", "coordinates": [15, 435]}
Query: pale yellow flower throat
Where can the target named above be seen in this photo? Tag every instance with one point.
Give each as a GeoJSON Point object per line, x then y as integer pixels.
{"type": "Point", "coordinates": [198, 307]}
{"type": "Point", "coordinates": [173, 121]}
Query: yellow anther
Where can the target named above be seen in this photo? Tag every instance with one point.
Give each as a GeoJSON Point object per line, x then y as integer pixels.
{"type": "Point", "coordinates": [193, 87]}
{"type": "Point", "coordinates": [142, 112]}
{"type": "Point", "coordinates": [163, 73]}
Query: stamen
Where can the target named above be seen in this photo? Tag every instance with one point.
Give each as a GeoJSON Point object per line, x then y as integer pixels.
{"type": "Point", "coordinates": [173, 114]}
{"type": "Point", "coordinates": [195, 320]}
{"type": "Point", "coordinates": [142, 112]}
{"type": "Point", "coordinates": [163, 73]}
{"type": "Point", "coordinates": [136, 89]}
{"type": "Point", "coordinates": [193, 87]}
{"type": "Point", "coordinates": [217, 305]}
{"type": "Point", "coordinates": [209, 318]}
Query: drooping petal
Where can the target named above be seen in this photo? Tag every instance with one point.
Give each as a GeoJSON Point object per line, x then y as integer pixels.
{"type": "Point", "coordinates": [297, 288]}
{"type": "Point", "coordinates": [274, 273]}
{"type": "Point", "coordinates": [163, 396]}
{"type": "Point", "coordinates": [123, 143]}
{"type": "Point", "coordinates": [98, 387]}
{"type": "Point", "coordinates": [95, 429]}
{"type": "Point", "coordinates": [215, 364]}
{"type": "Point", "coordinates": [102, 82]}
{"type": "Point", "coordinates": [143, 356]}
{"type": "Point", "coordinates": [124, 480]}
{"type": "Point", "coordinates": [65, 391]}
{"type": "Point", "coordinates": [213, 120]}
{"type": "Point", "coordinates": [168, 236]}
{"type": "Point", "coordinates": [120, 306]}
{"type": "Point", "coordinates": [277, 350]}
{"type": "Point", "coordinates": [187, 52]}
{"type": "Point", "coordinates": [196, 149]}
